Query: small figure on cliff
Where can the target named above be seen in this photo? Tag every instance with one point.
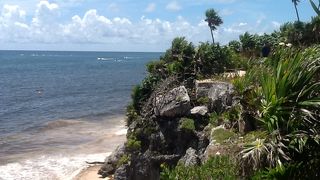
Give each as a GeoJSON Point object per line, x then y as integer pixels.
{"type": "Point", "coordinates": [266, 50]}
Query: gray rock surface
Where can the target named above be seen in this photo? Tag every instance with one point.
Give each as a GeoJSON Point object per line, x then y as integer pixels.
{"type": "Point", "coordinates": [190, 158]}
{"type": "Point", "coordinates": [110, 165]}
{"type": "Point", "coordinates": [174, 103]}
{"type": "Point", "coordinates": [199, 110]}
{"type": "Point", "coordinates": [143, 167]}
{"type": "Point", "coordinates": [122, 173]}
{"type": "Point", "coordinates": [220, 94]}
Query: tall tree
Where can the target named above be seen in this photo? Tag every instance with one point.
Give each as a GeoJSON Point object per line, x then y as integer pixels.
{"type": "Point", "coordinates": [214, 20]}
{"type": "Point", "coordinates": [295, 3]}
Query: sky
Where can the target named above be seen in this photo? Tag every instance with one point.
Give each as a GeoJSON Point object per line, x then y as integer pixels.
{"type": "Point", "coordinates": [128, 25]}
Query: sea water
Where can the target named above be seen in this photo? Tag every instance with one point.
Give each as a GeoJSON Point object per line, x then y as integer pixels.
{"type": "Point", "coordinates": [61, 109]}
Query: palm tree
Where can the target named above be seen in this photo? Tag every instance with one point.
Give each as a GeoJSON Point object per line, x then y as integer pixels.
{"type": "Point", "coordinates": [315, 8]}
{"type": "Point", "coordinates": [213, 20]}
{"type": "Point", "coordinates": [295, 2]}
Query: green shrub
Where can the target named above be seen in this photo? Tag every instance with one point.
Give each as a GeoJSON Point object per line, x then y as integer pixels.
{"type": "Point", "coordinates": [133, 144]}
{"type": "Point", "coordinates": [187, 124]}
{"type": "Point", "coordinates": [233, 114]}
{"type": "Point", "coordinates": [289, 90]}
{"type": "Point", "coordinates": [217, 167]}
{"type": "Point", "coordinates": [140, 93]}
{"type": "Point", "coordinates": [131, 114]}
{"type": "Point", "coordinates": [123, 160]}
{"type": "Point", "coordinates": [214, 119]}
{"type": "Point", "coordinates": [253, 135]}
{"type": "Point", "coordinates": [212, 59]}
{"type": "Point", "coordinates": [280, 172]}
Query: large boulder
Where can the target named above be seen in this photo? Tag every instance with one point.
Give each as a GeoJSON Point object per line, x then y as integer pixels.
{"type": "Point", "coordinates": [110, 165]}
{"type": "Point", "coordinates": [174, 103]}
{"type": "Point", "coordinates": [220, 94]}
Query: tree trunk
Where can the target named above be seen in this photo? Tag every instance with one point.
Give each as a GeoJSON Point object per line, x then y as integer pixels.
{"type": "Point", "coordinates": [212, 36]}
{"type": "Point", "coordinates": [297, 13]}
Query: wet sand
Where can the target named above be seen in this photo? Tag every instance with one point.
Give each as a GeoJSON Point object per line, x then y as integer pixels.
{"type": "Point", "coordinates": [91, 172]}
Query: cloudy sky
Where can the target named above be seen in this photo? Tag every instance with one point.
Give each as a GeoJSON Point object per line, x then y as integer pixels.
{"type": "Point", "coordinates": [133, 25]}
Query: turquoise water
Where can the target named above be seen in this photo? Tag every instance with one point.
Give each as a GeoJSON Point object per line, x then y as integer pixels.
{"type": "Point", "coordinates": [56, 103]}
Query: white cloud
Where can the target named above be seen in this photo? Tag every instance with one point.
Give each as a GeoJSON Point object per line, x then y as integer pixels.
{"type": "Point", "coordinates": [92, 28]}
{"type": "Point", "coordinates": [151, 7]}
{"type": "Point", "coordinates": [13, 13]}
{"type": "Point", "coordinates": [12, 24]}
{"type": "Point", "coordinates": [243, 24]}
{"type": "Point", "coordinates": [173, 6]}
{"type": "Point", "coordinates": [46, 13]}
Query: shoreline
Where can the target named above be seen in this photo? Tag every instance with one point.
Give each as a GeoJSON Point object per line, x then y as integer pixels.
{"type": "Point", "coordinates": [99, 140]}
{"type": "Point", "coordinates": [91, 171]}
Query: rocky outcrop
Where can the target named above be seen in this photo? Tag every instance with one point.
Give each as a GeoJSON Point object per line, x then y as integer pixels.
{"type": "Point", "coordinates": [161, 136]}
{"type": "Point", "coordinates": [121, 172]}
{"type": "Point", "coordinates": [219, 93]}
{"type": "Point", "coordinates": [174, 103]}
{"type": "Point", "coordinates": [190, 158]}
{"type": "Point", "coordinates": [111, 161]}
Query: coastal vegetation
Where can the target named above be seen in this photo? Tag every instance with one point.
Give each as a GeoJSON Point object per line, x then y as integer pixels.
{"type": "Point", "coordinates": [264, 126]}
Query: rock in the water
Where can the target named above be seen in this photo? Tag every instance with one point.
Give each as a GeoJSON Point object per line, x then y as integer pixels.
{"type": "Point", "coordinates": [110, 165]}
{"type": "Point", "coordinates": [173, 103]}
{"type": "Point", "coordinates": [219, 93]}
{"type": "Point", "coordinates": [190, 158]}
{"type": "Point", "coordinates": [199, 110]}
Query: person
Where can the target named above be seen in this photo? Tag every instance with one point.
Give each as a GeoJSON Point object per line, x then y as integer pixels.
{"type": "Point", "coordinates": [265, 50]}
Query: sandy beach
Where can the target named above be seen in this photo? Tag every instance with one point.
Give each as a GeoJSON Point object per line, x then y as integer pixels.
{"type": "Point", "coordinates": [91, 172]}
{"type": "Point", "coordinates": [98, 139]}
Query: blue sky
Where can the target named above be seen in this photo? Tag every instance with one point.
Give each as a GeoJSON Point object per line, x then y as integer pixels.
{"type": "Point", "coordinates": [128, 25]}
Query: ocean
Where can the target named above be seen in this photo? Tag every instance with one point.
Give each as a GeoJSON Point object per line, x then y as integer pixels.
{"type": "Point", "coordinates": [61, 109]}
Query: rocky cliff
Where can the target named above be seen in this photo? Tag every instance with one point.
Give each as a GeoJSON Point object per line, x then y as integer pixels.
{"type": "Point", "coordinates": [173, 127]}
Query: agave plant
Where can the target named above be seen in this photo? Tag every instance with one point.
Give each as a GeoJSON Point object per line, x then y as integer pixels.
{"type": "Point", "coordinates": [289, 90]}
{"type": "Point", "coordinates": [289, 110]}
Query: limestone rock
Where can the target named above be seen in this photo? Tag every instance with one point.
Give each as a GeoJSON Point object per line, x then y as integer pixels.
{"type": "Point", "coordinates": [219, 93]}
{"type": "Point", "coordinates": [190, 158]}
{"type": "Point", "coordinates": [173, 103]}
{"type": "Point", "coordinates": [122, 172]}
{"type": "Point", "coordinates": [199, 110]}
{"type": "Point", "coordinates": [143, 167]}
{"type": "Point", "coordinates": [110, 165]}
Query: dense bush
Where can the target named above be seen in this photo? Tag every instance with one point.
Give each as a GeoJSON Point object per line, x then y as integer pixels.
{"type": "Point", "coordinates": [217, 167]}
{"type": "Point", "coordinates": [289, 112]}
{"type": "Point", "coordinates": [212, 59]}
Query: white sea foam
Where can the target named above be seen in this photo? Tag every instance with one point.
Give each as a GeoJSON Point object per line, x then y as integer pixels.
{"type": "Point", "coordinates": [104, 59]}
{"type": "Point", "coordinates": [121, 132]}
{"type": "Point", "coordinates": [62, 149]}
{"type": "Point", "coordinates": [59, 167]}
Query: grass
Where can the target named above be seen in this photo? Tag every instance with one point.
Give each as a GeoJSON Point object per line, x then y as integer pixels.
{"type": "Point", "coordinates": [222, 135]}
{"type": "Point", "coordinates": [187, 124]}
{"type": "Point", "coordinates": [217, 167]}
